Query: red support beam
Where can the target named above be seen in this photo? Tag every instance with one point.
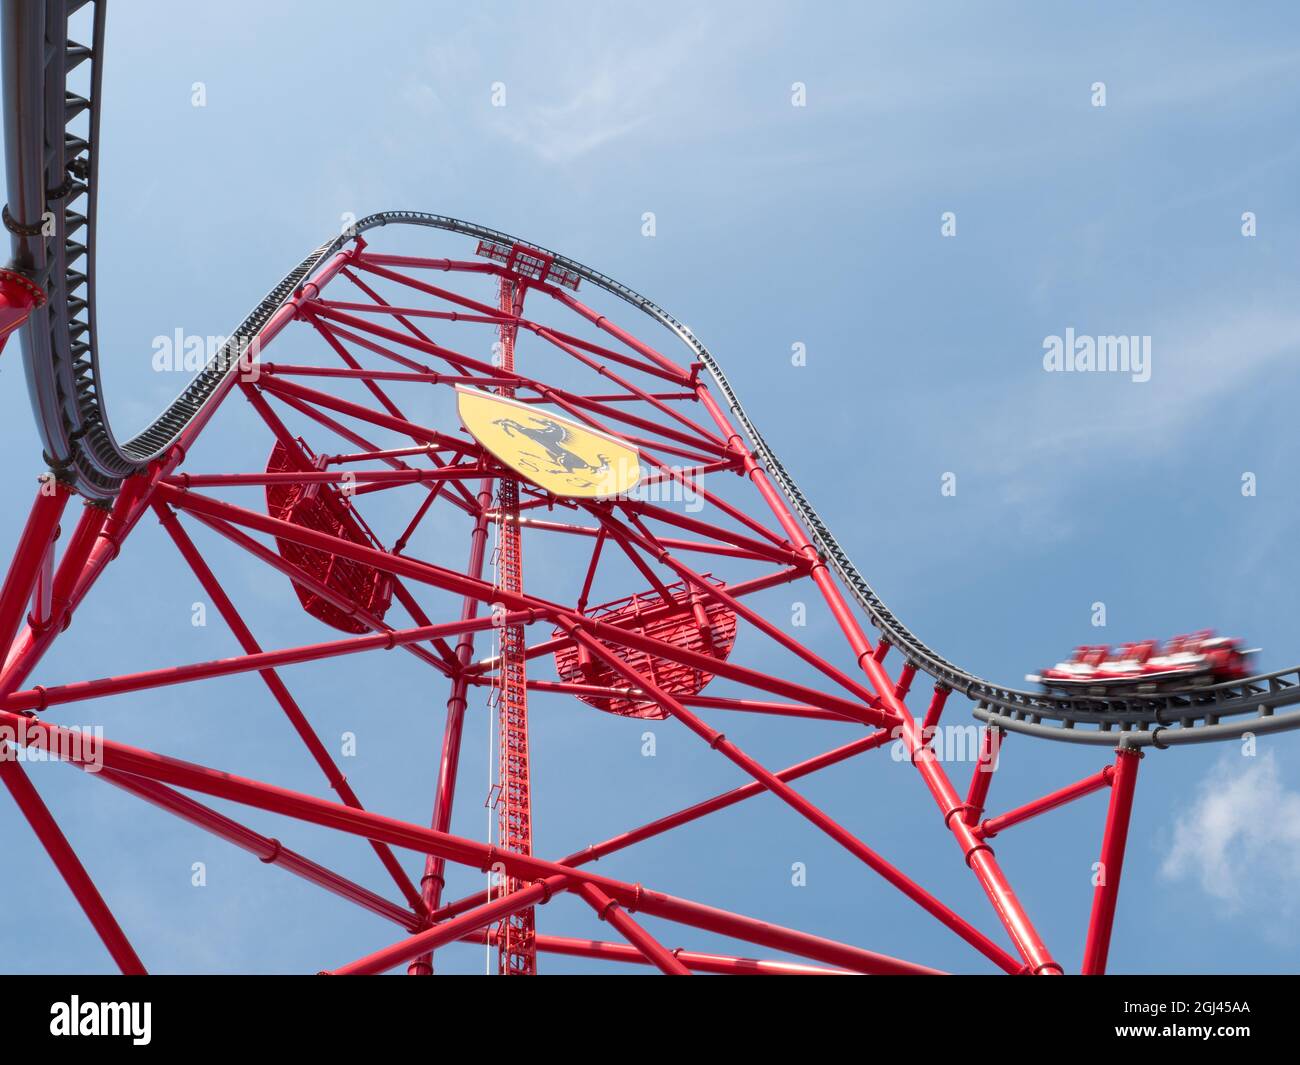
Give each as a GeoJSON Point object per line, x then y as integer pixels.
{"type": "Point", "coordinates": [268, 850]}
{"type": "Point", "coordinates": [990, 827]}
{"type": "Point", "coordinates": [935, 710]}
{"type": "Point", "coordinates": [387, 478]}
{"type": "Point", "coordinates": [702, 702]}
{"type": "Point", "coordinates": [66, 861]}
{"type": "Point", "coordinates": [449, 931]}
{"type": "Point", "coordinates": [981, 780]}
{"type": "Point", "coordinates": [32, 549]}
{"type": "Point", "coordinates": [720, 964]}
{"type": "Point", "coordinates": [41, 698]}
{"type": "Point", "coordinates": [649, 947]}
{"type": "Point", "coordinates": [82, 561]}
{"type": "Point", "coordinates": [434, 879]}
{"type": "Point", "coordinates": [1106, 893]}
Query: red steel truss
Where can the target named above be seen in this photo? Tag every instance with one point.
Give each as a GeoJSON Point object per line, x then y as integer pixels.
{"type": "Point", "coordinates": [349, 425]}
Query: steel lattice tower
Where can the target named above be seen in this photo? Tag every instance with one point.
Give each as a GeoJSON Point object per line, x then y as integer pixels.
{"type": "Point", "coordinates": [516, 942]}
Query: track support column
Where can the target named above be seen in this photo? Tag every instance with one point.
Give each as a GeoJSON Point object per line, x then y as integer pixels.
{"type": "Point", "coordinates": [38, 535]}
{"type": "Point", "coordinates": [1106, 893]}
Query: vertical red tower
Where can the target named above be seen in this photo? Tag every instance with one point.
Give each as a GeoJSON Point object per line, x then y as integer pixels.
{"type": "Point", "coordinates": [516, 939]}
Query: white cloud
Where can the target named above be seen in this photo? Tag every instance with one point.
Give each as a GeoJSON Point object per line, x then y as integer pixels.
{"type": "Point", "coordinates": [1064, 425]}
{"type": "Point", "coordinates": [1240, 839]}
{"type": "Point", "coordinates": [608, 86]}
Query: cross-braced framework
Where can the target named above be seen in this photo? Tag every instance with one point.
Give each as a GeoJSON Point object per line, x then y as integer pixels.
{"type": "Point", "coordinates": [633, 606]}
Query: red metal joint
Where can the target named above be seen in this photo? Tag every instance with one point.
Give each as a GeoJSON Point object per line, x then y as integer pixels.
{"type": "Point", "coordinates": [39, 627]}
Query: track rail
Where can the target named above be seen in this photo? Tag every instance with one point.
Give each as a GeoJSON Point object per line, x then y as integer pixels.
{"type": "Point", "coordinates": [52, 134]}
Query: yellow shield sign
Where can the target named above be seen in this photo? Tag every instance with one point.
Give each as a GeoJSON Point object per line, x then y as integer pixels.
{"type": "Point", "coordinates": [554, 452]}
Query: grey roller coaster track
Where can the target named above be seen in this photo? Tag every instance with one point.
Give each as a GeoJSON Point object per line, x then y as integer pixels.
{"type": "Point", "coordinates": [52, 176]}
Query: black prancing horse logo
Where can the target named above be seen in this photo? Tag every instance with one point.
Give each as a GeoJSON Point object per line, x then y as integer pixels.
{"type": "Point", "coordinates": [552, 436]}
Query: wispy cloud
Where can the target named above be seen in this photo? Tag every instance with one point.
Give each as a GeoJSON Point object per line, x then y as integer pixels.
{"type": "Point", "coordinates": [1240, 839]}
{"type": "Point", "coordinates": [1068, 423]}
{"type": "Point", "coordinates": [588, 117]}
{"type": "Point", "coordinates": [1201, 79]}
{"type": "Point", "coordinates": [574, 87]}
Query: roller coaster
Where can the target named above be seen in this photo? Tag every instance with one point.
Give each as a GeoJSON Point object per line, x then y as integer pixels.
{"type": "Point", "coordinates": [647, 651]}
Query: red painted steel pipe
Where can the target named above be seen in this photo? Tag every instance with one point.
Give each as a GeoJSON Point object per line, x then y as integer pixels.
{"type": "Point", "coordinates": [68, 864]}
{"type": "Point", "coordinates": [269, 850]}
{"type": "Point", "coordinates": [704, 702]}
{"type": "Point", "coordinates": [79, 558]}
{"type": "Point", "coordinates": [347, 373]}
{"type": "Point", "coordinates": [379, 477]}
{"type": "Point", "coordinates": [713, 549]}
{"type": "Point", "coordinates": [38, 534]}
{"type": "Point", "coordinates": [699, 436]}
{"type": "Point", "coordinates": [905, 679]}
{"type": "Point", "coordinates": [40, 698]}
{"type": "Point", "coordinates": [982, 775]}
{"type": "Point", "coordinates": [653, 951]}
{"type": "Point", "coordinates": [993, 825]}
{"type": "Point", "coordinates": [1106, 893]}
{"type": "Point", "coordinates": [935, 710]}
{"type": "Point", "coordinates": [722, 964]}
{"type": "Point", "coordinates": [432, 882]}
{"type": "Point", "coordinates": [421, 433]}
{"type": "Point", "coordinates": [449, 931]}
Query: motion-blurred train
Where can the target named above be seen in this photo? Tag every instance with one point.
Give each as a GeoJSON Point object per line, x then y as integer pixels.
{"type": "Point", "coordinates": [1185, 662]}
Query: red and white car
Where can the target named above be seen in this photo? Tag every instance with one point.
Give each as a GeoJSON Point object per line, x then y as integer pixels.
{"type": "Point", "coordinates": [1183, 662]}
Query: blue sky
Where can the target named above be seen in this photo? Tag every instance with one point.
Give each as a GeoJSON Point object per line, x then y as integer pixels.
{"type": "Point", "coordinates": [775, 225]}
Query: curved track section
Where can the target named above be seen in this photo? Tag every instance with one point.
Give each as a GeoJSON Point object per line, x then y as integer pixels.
{"type": "Point", "coordinates": [52, 130]}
